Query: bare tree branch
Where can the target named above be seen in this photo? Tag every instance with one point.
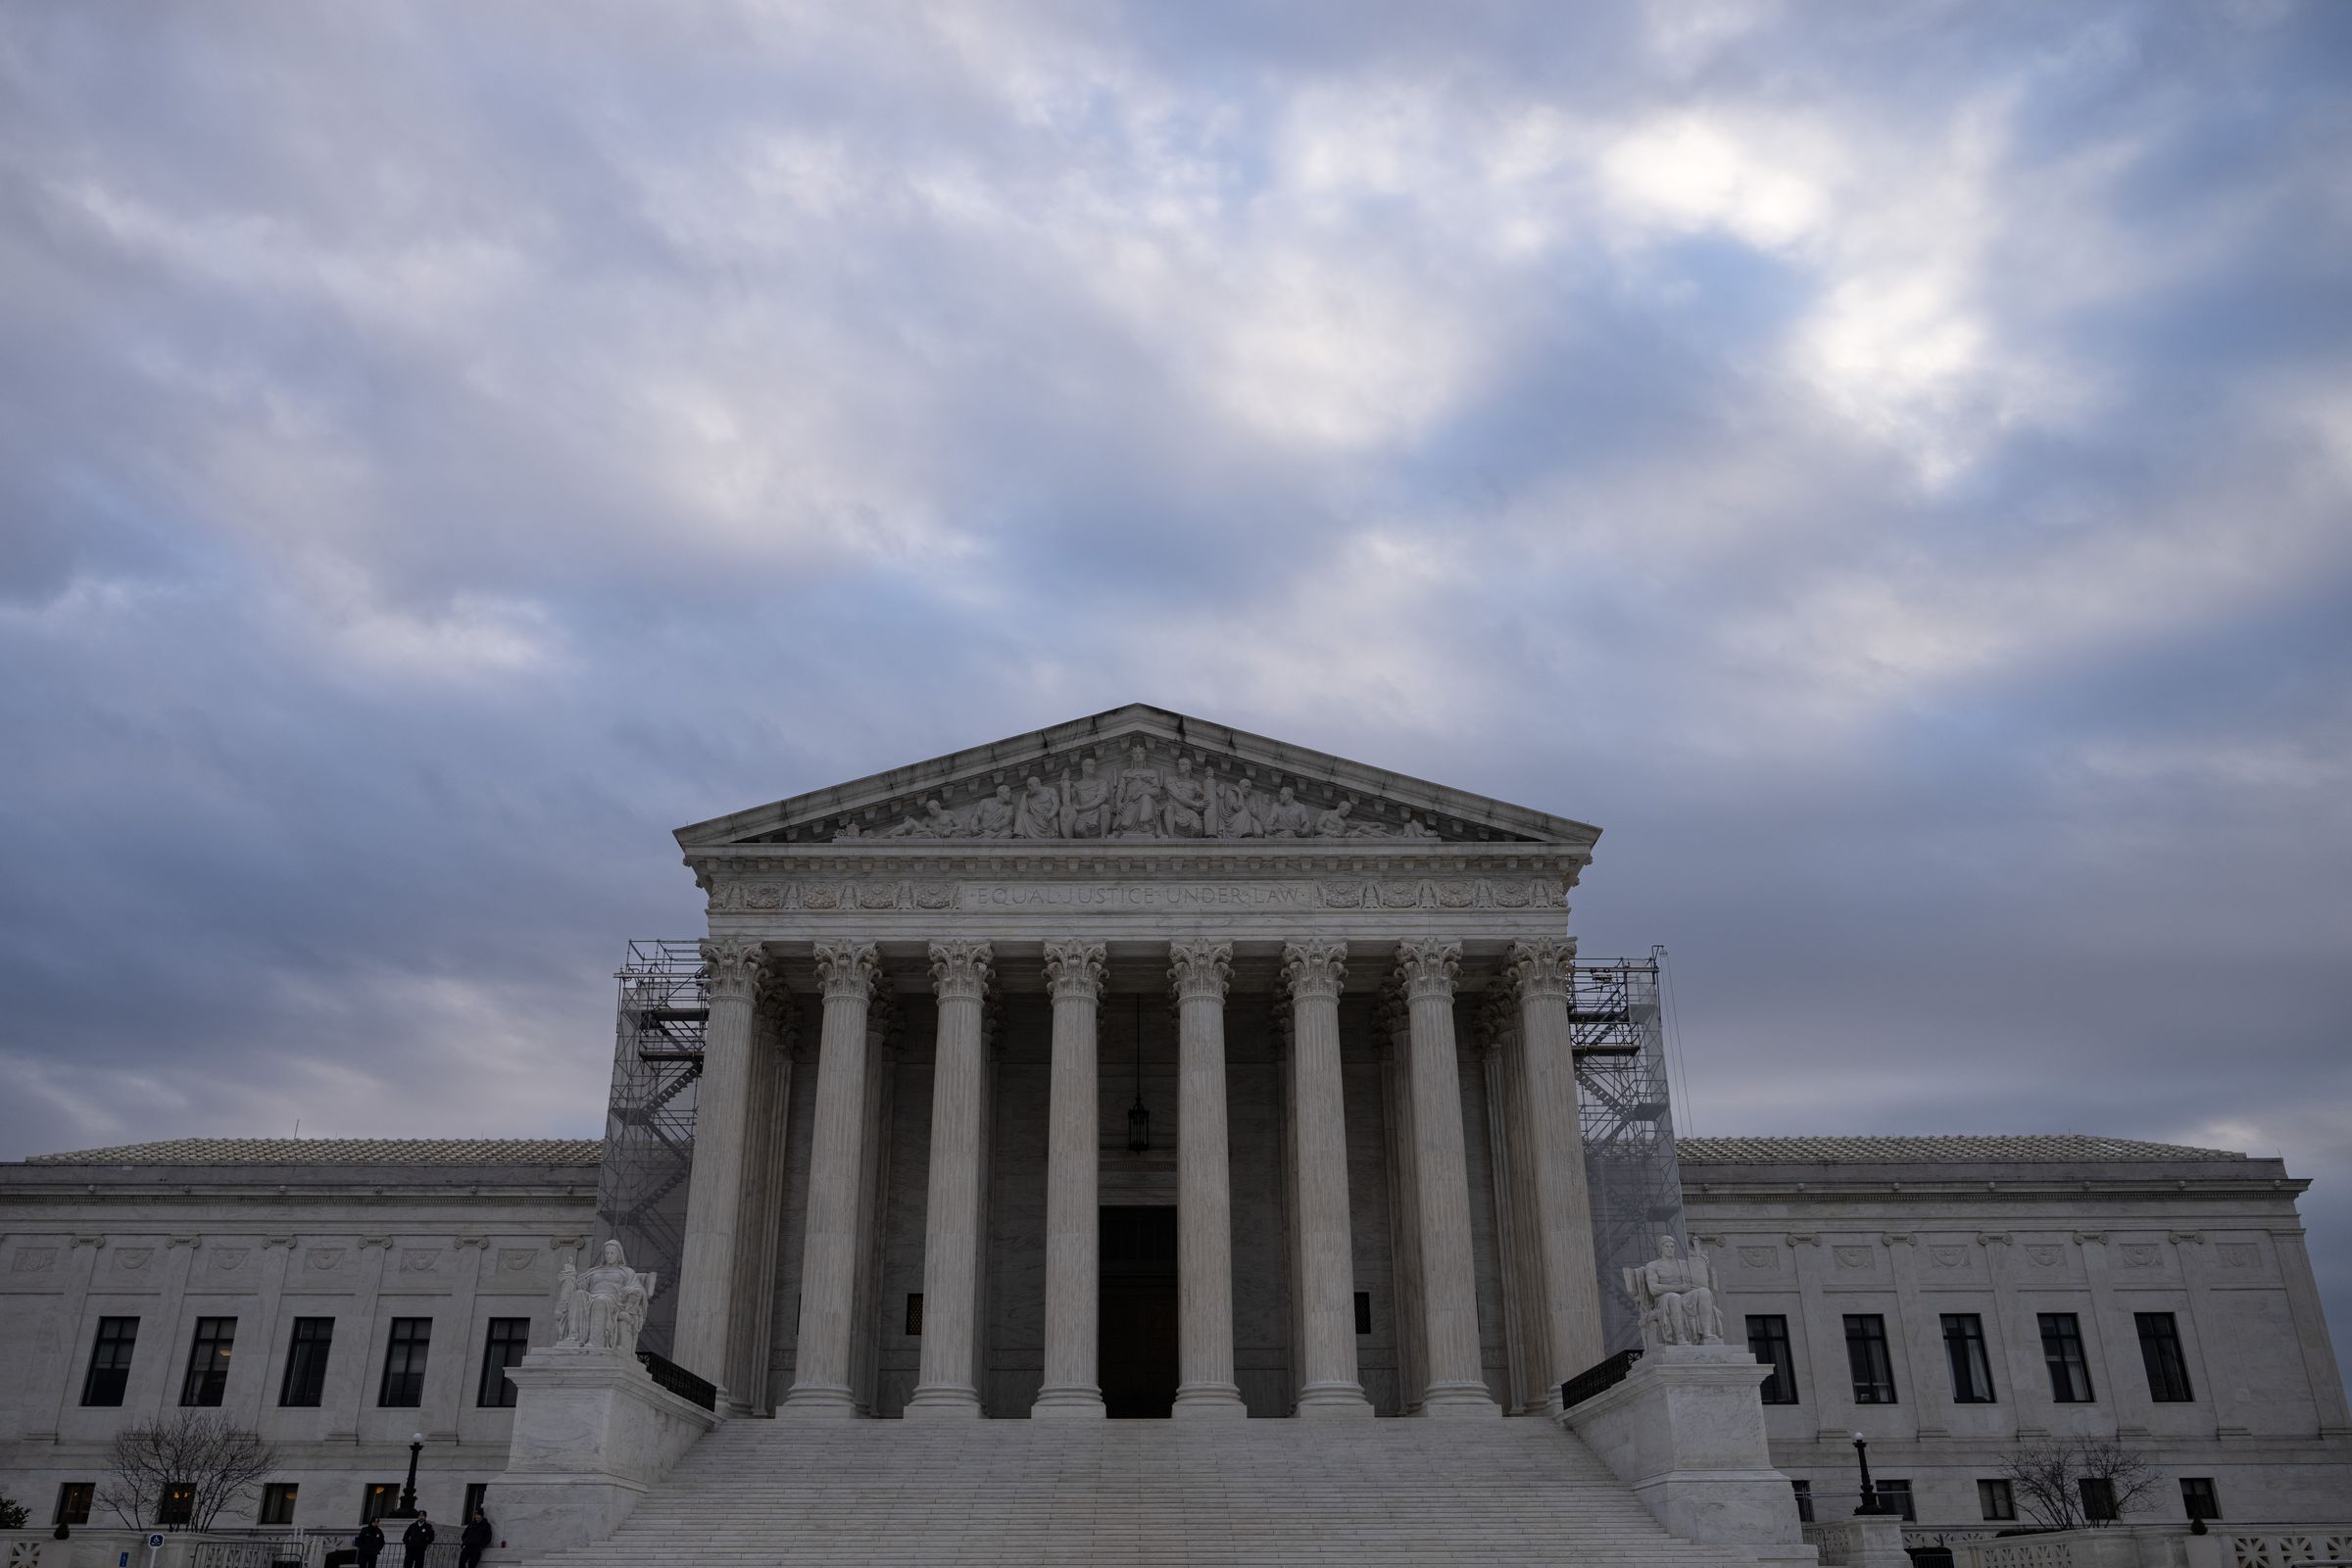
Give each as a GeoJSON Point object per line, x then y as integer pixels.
{"type": "Point", "coordinates": [2046, 1476]}
{"type": "Point", "coordinates": [217, 1462]}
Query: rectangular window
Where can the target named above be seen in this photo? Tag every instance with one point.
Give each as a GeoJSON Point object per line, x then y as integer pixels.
{"type": "Point", "coordinates": [914, 1314]}
{"type": "Point", "coordinates": [383, 1497]}
{"type": "Point", "coordinates": [1964, 1348]}
{"type": "Point", "coordinates": [277, 1503]}
{"type": "Point", "coordinates": [73, 1500]}
{"type": "Point", "coordinates": [1896, 1494]}
{"type": "Point", "coordinates": [179, 1504]}
{"type": "Point", "coordinates": [1866, 1357]}
{"type": "Point", "coordinates": [1994, 1500]}
{"type": "Point", "coordinates": [475, 1492]}
{"type": "Point", "coordinates": [2098, 1499]}
{"type": "Point", "coordinates": [2198, 1499]}
{"type": "Point", "coordinates": [110, 1360]}
{"type": "Point", "coordinates": [305, 1362]}
{"type": "Point", "coordinates": [1363, 1311]}
{"type": "Point", "coordinates": [2062, 1349]}
{"type": "Point", "coordinates": [404, 1363]}
{"type": "Point", "coordinates": [1768, 1343]}
{"type": "Point", "coordinates": [509, 1337]}
{"type": "Point", "coordinates": [208, 1361]}
{"type": "Point", "coordinates": [2160, 1350]}
{"type": "Point", "coordinates": [1804, 1501]}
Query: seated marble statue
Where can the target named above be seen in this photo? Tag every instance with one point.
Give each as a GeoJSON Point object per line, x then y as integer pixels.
{"type": "Point", "coordinates": [1676, 1298]}
{"type": "Point", "coordinates": [603, 1308]}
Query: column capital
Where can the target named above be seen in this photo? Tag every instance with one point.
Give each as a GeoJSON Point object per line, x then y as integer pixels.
{"type": "Point", "coordinates": [1200, 970]}
{"type": "Point", "coordinates": [1074, 970]}
{"type": "Point", "coordinates": [960, 970]}
{"type": "Point", "coordinates": [1314, 968]}
{"type": "Point", "coordinates": [849, 968]}
{"type": "Point", "coordinates": [1426, 967]}
{"type": "Point", "coordinates": [1544, 968]}
{"type": "Point", "coordinates": [732, 966]}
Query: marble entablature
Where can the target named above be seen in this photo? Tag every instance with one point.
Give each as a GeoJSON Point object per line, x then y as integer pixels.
{"type": "Point", "coordinates": [1138, 824]}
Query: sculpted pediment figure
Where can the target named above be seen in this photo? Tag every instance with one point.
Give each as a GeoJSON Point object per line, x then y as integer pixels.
{"type": "Point", "coordinates": [1138, 773]}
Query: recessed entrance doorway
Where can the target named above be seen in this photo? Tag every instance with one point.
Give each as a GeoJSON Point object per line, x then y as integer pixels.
{"type": "Point", "coordinates": [1138, 1363]}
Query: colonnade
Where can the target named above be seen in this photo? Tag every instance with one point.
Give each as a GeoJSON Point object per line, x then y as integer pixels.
{"type": "Point", "coordinates": [1553, 1280]}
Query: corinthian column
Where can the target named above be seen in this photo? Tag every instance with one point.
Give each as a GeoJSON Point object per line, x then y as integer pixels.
{"type": "Point", "coordinates": [837, 1157]}
{"type": "Point", "coordinates": [1199, 972]}
{"type": "Point", "coordinates": [715, 1188]}
{"type": "Point", "coordinates": [947, 1387]}
{"type": "Point", "coordinates": [1458, 1383]}
{"type": "Point", "coordinates": [1073, 1155]}
{"type": "Point", "coordinates": [1569, 1295]}
{"type": "Point", "coordinates": [1328, 1385]}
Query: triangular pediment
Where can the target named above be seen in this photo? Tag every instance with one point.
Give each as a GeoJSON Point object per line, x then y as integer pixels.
{"type": "Point", "coordinates": [1138, 773]}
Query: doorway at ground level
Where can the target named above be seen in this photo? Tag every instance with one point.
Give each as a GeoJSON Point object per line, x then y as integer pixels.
{"type": "Point", "coordinates": [1138, 1352]}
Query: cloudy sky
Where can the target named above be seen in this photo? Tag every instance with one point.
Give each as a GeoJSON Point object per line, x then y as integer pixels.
{"type": "Point", "coordinates": [1887, 464]}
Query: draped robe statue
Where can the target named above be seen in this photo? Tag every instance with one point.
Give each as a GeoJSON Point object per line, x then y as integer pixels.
{"type": "Point", "coordinates": [1676, 1298]}
{"type": "Point", "coordinates": [603, 1308]}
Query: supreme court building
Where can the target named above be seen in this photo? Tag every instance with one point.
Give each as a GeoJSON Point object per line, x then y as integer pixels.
{"type": "Point", "coordinates": [1144, 1067]}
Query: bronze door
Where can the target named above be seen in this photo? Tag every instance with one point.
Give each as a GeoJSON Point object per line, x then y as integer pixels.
{"type": "Point", "coordinates": [1138, 1364]}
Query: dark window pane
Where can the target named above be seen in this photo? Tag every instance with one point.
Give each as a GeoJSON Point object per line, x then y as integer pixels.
{"type": "Point", "coordinates": [1896, 1494]}
{"type": "Point", "coordinates": [1964, 1348]}
{"type": "Point", "coordinates": [2062, 1351]}
{"type": "Point", "coordinates": [914, 1314]}
{"type": "Point", "coordinates": [179, 1503]}
{"type": "Point", "coordinates": [404, 1363]}
{"type": "Point", "coordinates": [2198, 1499]}
{"type": "Point", "coordinates": [277, 1503]}
{"type": "Point", "coordinates": [1867, 1359]}
{"type": "Point", "coordinates": [2098, 1498]}
{"type": "Point", "coordinates": [74, 1503]}
{"type": "Point", "coordinates": [208, 1361]}
{"type": "Point", "coordinates": [305, 1362]}
{"type": "Point", "coordinates": [475, 1492]}
{"type": "Point", "coordinates": [1994, 1500]}
{"type": "Point", "coordinates": [510, 1338]}
{"type": "Point", "coordinates": [2160, 1352]}
{"type": "Point", "coordinates": [1768, 1343]}
{"type": "Point", "coordinates": [110, 1360]}
{"type": "Point", "coordinates": [383, 1497]}
{"type": "Point", "coordinates": [1363, 1311]}
{"type": "Point", "coordinates": [1804, 1501]}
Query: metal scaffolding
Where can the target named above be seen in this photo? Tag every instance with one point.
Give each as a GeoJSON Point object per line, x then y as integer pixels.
{"type": "Point", "coordinates": [1630, 1169]}
{"type": "Point", "coordinates": [648, 1120]}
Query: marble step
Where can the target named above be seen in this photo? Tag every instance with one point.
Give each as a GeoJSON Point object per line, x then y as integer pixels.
{"type": "Point", "coordinates": [1496, 1493]}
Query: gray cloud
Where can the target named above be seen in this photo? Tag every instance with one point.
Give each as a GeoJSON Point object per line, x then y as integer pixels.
{"type": "Point", "coordinates": [1888, 467]}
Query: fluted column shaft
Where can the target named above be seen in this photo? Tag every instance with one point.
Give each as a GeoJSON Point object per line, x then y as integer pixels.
{"type": "Point", "coordinates": [1328, 1386]}
{"type": "Point", "coordinates": [1563, 1219]}
{"type": "Point", "coordinates": [1458, 1383]}
{"type": "Point", "coordinates": [1074, 1156]}
{"type": "Point", "coordinates": [837, 1157]}
{"type": "Point", "coordinates": [1206, 1390]}
{"type": "Point", "coordinates": [947, 1385]}
{"type": "Point", "coordinates": [715, 1186]}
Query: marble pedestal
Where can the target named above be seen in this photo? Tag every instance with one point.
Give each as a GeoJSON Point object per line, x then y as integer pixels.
{"type": "Point", "coordinates": [1865, 1540]}
{"type": "Point", "coordinates": [1685, 1432]}
{"type": "Point", "coordinates": [593, 1434]}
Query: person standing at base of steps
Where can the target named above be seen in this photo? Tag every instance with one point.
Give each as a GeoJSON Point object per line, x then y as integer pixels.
{"type": "Point", "coordinates": [414, 1541]}
{"type": "Point", "coordinates": [368, 1543]}
{"type": "Point", "coordinates": [475, 1540]}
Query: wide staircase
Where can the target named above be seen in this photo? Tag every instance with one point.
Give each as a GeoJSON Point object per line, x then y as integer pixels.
{"type": "Point", "coordinates": [1141, 1493]}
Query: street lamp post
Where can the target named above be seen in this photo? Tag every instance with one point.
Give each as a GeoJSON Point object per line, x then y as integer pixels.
{"type": "Point", "coordinates": [1870, 1495]}
{"type": "Point", "coordinates": [407, 1492]}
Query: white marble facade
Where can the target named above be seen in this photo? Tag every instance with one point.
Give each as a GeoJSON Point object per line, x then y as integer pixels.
{"type": "Point", "coordinates": [940, 981]}
{"type": "Point", "coordinates": [930, 993]}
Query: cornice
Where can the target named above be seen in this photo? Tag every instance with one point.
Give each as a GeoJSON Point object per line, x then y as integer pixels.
{"type": "Point", "coordinates": [1116, 858]}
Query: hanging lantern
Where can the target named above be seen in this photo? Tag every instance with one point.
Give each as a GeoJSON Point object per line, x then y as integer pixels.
{"type": "Point", "coordinates": [1139, 1120]}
